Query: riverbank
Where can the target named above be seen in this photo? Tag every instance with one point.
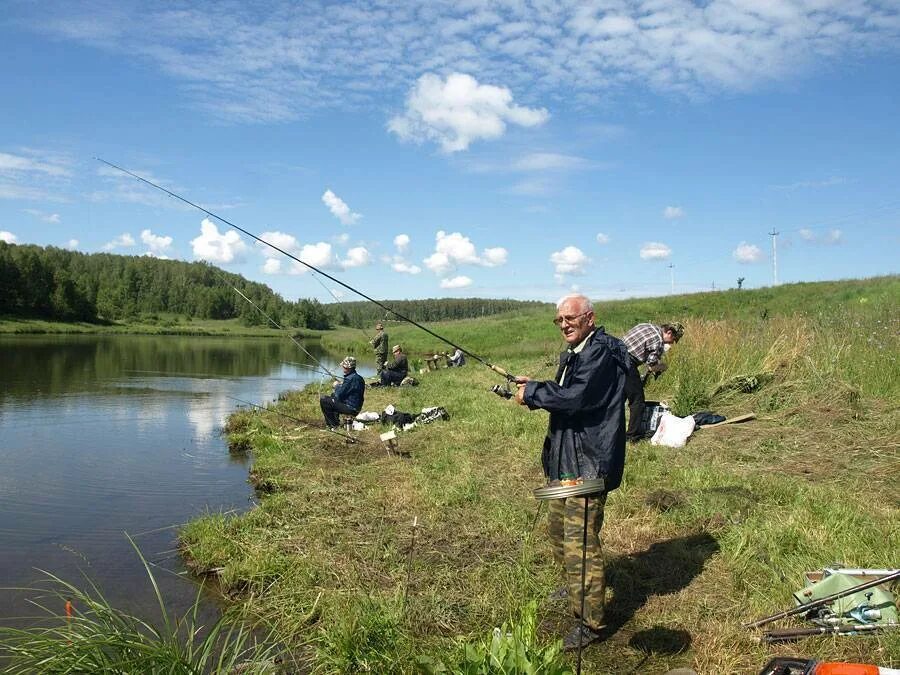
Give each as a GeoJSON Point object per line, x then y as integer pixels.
{"type": "Point", "coordinates": [365, 562]}
{"type": "Point", "coordinates": [158, 325]}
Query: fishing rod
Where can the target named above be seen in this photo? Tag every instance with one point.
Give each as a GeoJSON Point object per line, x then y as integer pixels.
{"type": "Point", "coordinates": [293, 339]}
{"type": "Point", "coordinates": [484, 362]}
{"type": "Point", "coordinates": [296, 419]}
{"type": "Point", "coordinates": [338, 300]}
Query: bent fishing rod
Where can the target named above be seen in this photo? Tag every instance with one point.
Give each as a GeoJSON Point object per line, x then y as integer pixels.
{"type": "Point", "coordinates": [296, 419]}
{"type": "Point", "coordinates": [293, 339]}
{"type": "Point", "coordinates": [484, 362]}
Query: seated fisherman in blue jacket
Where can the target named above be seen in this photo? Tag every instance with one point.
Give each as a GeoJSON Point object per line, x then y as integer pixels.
{"type": "Point", "coordinates": [347, 397]}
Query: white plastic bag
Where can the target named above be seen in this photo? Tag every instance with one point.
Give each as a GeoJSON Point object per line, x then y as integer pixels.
{"type": "Point", "coordinates": [368, 417]}
{"type": "Point", "coordinates": [673, 431]}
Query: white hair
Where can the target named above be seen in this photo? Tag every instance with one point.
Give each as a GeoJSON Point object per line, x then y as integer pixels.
{"type": "Point", "coordinates": [584, 300]}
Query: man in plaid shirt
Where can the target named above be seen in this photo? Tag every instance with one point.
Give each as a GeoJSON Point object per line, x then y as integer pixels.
{"type": "Point", "coordinates": [646, 343]}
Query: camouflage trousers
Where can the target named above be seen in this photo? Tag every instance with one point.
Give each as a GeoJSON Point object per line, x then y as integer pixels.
{"type": "Point", "coordinates": [379, 362]}
{"type": "Point", "coordinates": [565, 524]}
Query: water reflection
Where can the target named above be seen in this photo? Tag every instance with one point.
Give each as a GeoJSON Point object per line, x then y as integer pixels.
{"type": "Point", "coordinates": [105, 435]}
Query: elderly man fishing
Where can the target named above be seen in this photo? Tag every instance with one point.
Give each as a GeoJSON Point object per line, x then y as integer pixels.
{"type": "Point", "coordinates": [348, 396]}
{"type": "Point", "coordinates": [585, 440]}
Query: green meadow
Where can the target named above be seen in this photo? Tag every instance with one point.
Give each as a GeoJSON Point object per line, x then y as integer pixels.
{"type": "Point", "coordinates": [359, 560]}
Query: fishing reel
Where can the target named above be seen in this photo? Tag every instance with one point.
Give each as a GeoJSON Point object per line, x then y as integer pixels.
{"type": "Point", "coordinates": [505, 392]}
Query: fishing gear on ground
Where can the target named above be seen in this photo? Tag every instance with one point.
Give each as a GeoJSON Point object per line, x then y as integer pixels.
{"type": "Point", "coordinates": [497, 369]}
{"type": "Point", "coordinates": [785, 665]}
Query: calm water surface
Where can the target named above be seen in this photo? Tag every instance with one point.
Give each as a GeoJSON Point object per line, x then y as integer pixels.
{"type": "Point", "coordinates": [102, 436]}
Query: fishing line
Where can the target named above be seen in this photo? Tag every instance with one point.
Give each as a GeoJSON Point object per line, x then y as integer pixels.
{"type": "Point", "coordinates": [400, 316]}
{"type": "Point", "coordinates": [293, 339]}
{"type": "Point", "coordinates": [296, 419]}
{"type": "Point", "coordinates": [338, 300]}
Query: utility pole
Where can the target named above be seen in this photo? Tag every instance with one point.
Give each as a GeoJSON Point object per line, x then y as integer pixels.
{"type": "Point", "coordinates": [774, 234]}
{"type": "Point", "coordinates": [672, 275]}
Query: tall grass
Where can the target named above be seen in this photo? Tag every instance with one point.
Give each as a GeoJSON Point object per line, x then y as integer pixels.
{"type": "Point", "coordinates": [98, 638]}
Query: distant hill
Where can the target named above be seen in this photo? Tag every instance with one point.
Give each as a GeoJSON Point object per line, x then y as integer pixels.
{"type": "Point", "coordinates": [57, 284]}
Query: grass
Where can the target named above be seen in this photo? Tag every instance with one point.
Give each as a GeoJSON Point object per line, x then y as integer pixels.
{"type": "Point", "coordinates": [698, 540]}
{"type": "Point", "coordinates": [150, 324]}
{"type": "Point", "coordinates": [94, 637]}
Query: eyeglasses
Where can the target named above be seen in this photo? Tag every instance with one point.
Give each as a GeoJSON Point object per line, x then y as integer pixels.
{"type": "Point", "coordinates": [569, 320]}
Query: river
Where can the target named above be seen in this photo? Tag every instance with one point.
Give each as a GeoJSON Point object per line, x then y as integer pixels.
{"type": "Point", "coordinates": [106, 435]}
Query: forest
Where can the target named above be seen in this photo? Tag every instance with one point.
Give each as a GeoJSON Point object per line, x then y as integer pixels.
{"type": "Point", "coordinates": [61, 285]}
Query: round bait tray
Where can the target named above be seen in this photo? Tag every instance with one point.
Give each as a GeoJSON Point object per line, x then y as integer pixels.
{"type": "Point", "coordinates": [582, 489]}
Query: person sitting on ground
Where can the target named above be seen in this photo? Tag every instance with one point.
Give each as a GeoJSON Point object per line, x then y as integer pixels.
{"type": "Point", "coordinates": [348, 396]}
{"type": "Point", "coordinates": [457, 359]}
{"type": "Point", "coordinates": [394, 372]}
{"type": "Point", "coordinates": [646, 342]}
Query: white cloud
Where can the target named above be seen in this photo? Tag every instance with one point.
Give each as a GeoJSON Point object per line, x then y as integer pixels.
{"type": "Point", "coordinates": [570, 260]}
{"type": "Point", "coordinates": [451, 250]}
{"type": "Point", "coordinates": [215, 247]}
{"type": "Point", "coordinates": [550, 161]}
{"type": "Point", "coordinates": [342, 238]}
{"type": "Point", "coordinates": [458, 111]}
{"type": "Point", "coordinates": [405, 268]}
{"type": "Point", "coordinates": [124, 240]}
{"type": "Point", "coordinates": [272, 266]}
{"type": "Point", "coordinates": [317, 255]}
{"type": "Point", "coordinates": [242, 64]}
{"type": "Point", "coordinates": [356, 257]}
{"type": "Point", "coordinates": [33, 162]}
{"type": "Point", "coordinates": [672, 212]}
{"type": "Point", "coordinates": [52, 218]}
{"type": "Point", "coordinates": [339, 208]}
{"type": "Point", "coordinates": [157, 244]}
{"type": "Point", "coordinates": [401, 241]}
{"type": "Point", "coordinates": [456, 282]}
{"type": "Point", "coordinates": [654, 250]}
{"type": "Point", "coordinates": [493, 257]}
{"type": "Point", "coordinates": [806, 184]}
{"type": "Point", "coordinates": [747, 253]}
{"type": "Point", "coordinates": [832, 236]}
{"type": "Point", "coordinates": [72, 244]}
{"type": "Point", "coordinates": [8, 237]}
{"type": "Point", "coordinates": [602, 238]}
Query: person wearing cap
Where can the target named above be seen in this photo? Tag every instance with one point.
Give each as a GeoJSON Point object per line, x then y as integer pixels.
{"type": "Point", "coordinates": [379, 346]}
{"type": "Point", "coordinates": [348, 396]}
{"type": "Point", "coordinates": [397, 370]}
{"type": "Point", "coordinates": [646, 342]}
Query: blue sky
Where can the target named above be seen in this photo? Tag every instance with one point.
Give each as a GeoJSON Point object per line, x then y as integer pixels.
{"type": "Point", "coordinates": [494, 149]}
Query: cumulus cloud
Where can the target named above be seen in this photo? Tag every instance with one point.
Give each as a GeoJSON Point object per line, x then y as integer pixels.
{"type": "Point", "coordinates": [570, 260]}
{"type": "Point", "coordinates": [602, 238]}
{"type": "Point", "coordinates": [226, 247]}
{"type": "Point", "coordinates": [72, 244]}
{"type": "Point", "coordinates": [451, 250]}
{"type": "Point", "coordinates": [272, 266]}
{"type": "Point", "coordinates": [405, 268]}
{"type": "Point", "coordinates": [673, 212]}
{"type": "Point", "coordinates": [806, 234]}
{"type": "Point", "coordinates": [356, 257]}
{"type": "Point", "coordinates": [401, 241]}
{"type": "Point", "coordinates": [8, 237]}
{"type": "Point", "coordinates": [747, 253]}
{"type": "Point", "coordinates": [459, 111]}
{"type": "Point", "coordinates": [339, 208]}
{"type": "Point", "coordinates": [833, 237]}
{"type": "Point", "coordinates": [157, 244]}
{"type": "Point", "coordinates": [317, 255]}
{"type": "Point", "coordinates": [456, 282]}
{"type": "Point", "coordinates": [266, 66]}
{"type": "Point", "coordinates": [654, 250]}
{"type": "Point", "coordinates": [124, 240]}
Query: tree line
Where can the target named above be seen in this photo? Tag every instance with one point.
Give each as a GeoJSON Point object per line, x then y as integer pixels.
{"type": "Point", "coordinates": [57, 284]}
{"type": "Point", "coordinates": [363, 314]}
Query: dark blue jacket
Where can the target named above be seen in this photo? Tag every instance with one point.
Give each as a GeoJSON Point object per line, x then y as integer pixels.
{"type": "Point", "coordinates": [352, 391]}
{"type": "Point", "coordinates": [586, 434]}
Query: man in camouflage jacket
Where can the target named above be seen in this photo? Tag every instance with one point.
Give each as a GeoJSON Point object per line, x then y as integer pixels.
{"type": "Point", "coordinates": [380, 347]}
